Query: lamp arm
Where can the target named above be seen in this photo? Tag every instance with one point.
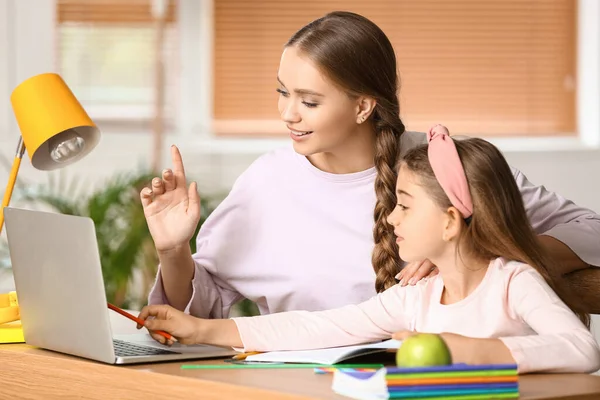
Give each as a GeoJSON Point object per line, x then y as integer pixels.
{"type": "Point", "coordinates": [12, 179]}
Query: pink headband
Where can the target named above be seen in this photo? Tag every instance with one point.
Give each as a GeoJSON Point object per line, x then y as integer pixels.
{"type": "Point", "coordinates": [448, 169]}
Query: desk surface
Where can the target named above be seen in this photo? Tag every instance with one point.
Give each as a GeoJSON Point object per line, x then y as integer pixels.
{"type": "Point", "coordinates": [43, 374]}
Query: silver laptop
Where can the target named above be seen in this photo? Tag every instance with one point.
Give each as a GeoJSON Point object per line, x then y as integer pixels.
{"type": "Point", "coordinates": [58, 278]}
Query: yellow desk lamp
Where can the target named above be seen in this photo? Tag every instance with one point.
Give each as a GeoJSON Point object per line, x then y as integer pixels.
{"type": "Point", "coordinates": [56, 131]}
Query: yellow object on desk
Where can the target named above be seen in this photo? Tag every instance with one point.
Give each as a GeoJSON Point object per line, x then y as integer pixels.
{"type": "Point", "coordinates": [11, 332]}
{"type": "Point", "coordinates": [10, 328]}
{"type": "Point", "coordinates": [9, 307]}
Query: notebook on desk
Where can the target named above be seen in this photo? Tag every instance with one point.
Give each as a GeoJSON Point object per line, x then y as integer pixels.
{"type": "Point", "coordinates": [457, 381]}
{"type": "Point", "coordinates": [58, 277]}
{"type": "Point", "coordinates": [325, 356]}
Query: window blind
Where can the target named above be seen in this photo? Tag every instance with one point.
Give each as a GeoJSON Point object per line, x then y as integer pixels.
{"type": "Point", "coordinates": [496, 67]}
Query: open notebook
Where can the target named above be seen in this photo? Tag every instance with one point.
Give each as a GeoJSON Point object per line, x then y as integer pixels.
{"type": "Point", "coordinates": [325, 356]}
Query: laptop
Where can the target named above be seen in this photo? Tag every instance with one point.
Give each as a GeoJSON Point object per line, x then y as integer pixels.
{"type": "Point", "coordinates": [58, 278]}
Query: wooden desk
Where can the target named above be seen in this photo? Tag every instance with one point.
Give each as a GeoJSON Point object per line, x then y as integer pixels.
{"type": "Point", "coordinates": [32, 373]}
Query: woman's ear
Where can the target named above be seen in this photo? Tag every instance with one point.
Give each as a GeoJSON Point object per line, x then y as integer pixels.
{"type": "Point", "coordinates": [452, 225]}
{"type": "Point", "coordinates": [364, 108]}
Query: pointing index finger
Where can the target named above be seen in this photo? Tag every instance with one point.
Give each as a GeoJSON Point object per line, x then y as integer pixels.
{"type": "Point", "coordinates": [178, 170]}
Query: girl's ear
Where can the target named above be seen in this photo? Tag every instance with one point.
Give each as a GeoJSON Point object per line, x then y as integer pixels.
{"type": "Point", "coordinates": [453, 224]}
{"type": "Point", "coordinates": [364, 108]}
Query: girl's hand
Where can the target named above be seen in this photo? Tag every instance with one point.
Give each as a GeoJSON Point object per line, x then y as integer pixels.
{"type": "Point", "coordinates": [182, 326]}
{"type": "Point", "coordinates": [448, 337]}
{"type": "Point", "coordinates": [401, 335]}
{"type": "Point", "coordinates": [470, 350]}
{"type": "Point", "coordinates": [415, 271]}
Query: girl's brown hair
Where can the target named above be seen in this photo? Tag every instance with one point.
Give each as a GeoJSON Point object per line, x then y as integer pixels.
{"type": "Point", "coordinates": [499, 226]}
{"type": "Point", "coordinates": [356, 55]}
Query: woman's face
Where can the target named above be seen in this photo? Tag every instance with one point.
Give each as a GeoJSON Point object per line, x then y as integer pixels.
{"type": "Point", "coordinates": [319, 115]}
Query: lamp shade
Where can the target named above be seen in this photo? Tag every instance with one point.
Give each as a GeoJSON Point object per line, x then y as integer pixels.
{"type": "Point", "coordinates": [55, 128]}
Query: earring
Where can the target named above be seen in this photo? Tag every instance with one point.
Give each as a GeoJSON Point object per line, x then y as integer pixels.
{"type": "Point", "coordinates": [361, 119]}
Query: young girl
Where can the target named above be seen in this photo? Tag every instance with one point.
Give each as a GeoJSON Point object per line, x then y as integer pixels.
{"type": "Point", "coordinates": [492, 302]}
{"type": "Point", "coordinates": [300, 220]}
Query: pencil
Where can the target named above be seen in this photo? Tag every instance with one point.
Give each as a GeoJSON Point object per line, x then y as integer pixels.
{"type": "Point", "coordinates": [138, 320]}
{"type": "Point", "coordinates": [242, 356]}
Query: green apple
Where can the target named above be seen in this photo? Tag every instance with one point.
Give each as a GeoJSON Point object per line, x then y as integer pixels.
{"type": "Point", "coordinates": [423, 350]}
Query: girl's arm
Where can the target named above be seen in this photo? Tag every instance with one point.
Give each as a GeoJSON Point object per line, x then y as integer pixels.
{"type": "Point", "coordinates": [470, 350]}
{"type": "Point", "coordinates": [562, 343]}
{"type": "Point", "coordinates": [372, 320]}
{"type": "Point", "coordinates": [188, 329]}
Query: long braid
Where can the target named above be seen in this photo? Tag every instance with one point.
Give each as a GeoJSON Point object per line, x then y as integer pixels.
{"type": "Point", "coordinates": [385, 258]}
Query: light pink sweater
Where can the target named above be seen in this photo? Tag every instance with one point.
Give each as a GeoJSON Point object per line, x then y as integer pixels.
{"type": "Point", "coordinates": [513, 303]}
{"type": "Point", "coordinates": [292, 237]}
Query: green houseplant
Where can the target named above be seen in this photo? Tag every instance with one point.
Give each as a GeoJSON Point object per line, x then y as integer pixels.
{"type": "Point", "coordinates": [127, 252]}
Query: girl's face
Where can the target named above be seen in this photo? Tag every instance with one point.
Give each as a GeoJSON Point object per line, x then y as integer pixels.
{"type": "Point", "coordinates": [319, 116]}
{"type": "Point", "coordinates": [419, 223]}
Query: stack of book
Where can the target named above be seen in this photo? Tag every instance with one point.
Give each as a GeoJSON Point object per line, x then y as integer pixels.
{"type": "Point", "coordinates": [453, 382]}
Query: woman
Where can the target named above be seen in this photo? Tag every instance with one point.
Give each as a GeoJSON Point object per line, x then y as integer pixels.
{"type": "Point", "coordinates": [294, 233]}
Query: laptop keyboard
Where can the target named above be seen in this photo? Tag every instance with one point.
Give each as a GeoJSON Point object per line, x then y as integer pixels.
{"type": "Point", "coordinates": [127, 349]}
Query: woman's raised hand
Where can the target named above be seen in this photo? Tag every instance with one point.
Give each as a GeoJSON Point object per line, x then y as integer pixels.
{"type": "Point", "coordinates": [172, 209]}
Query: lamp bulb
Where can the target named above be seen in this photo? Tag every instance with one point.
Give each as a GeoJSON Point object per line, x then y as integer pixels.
{"type": "Point", "coordinates": [64, 148]}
